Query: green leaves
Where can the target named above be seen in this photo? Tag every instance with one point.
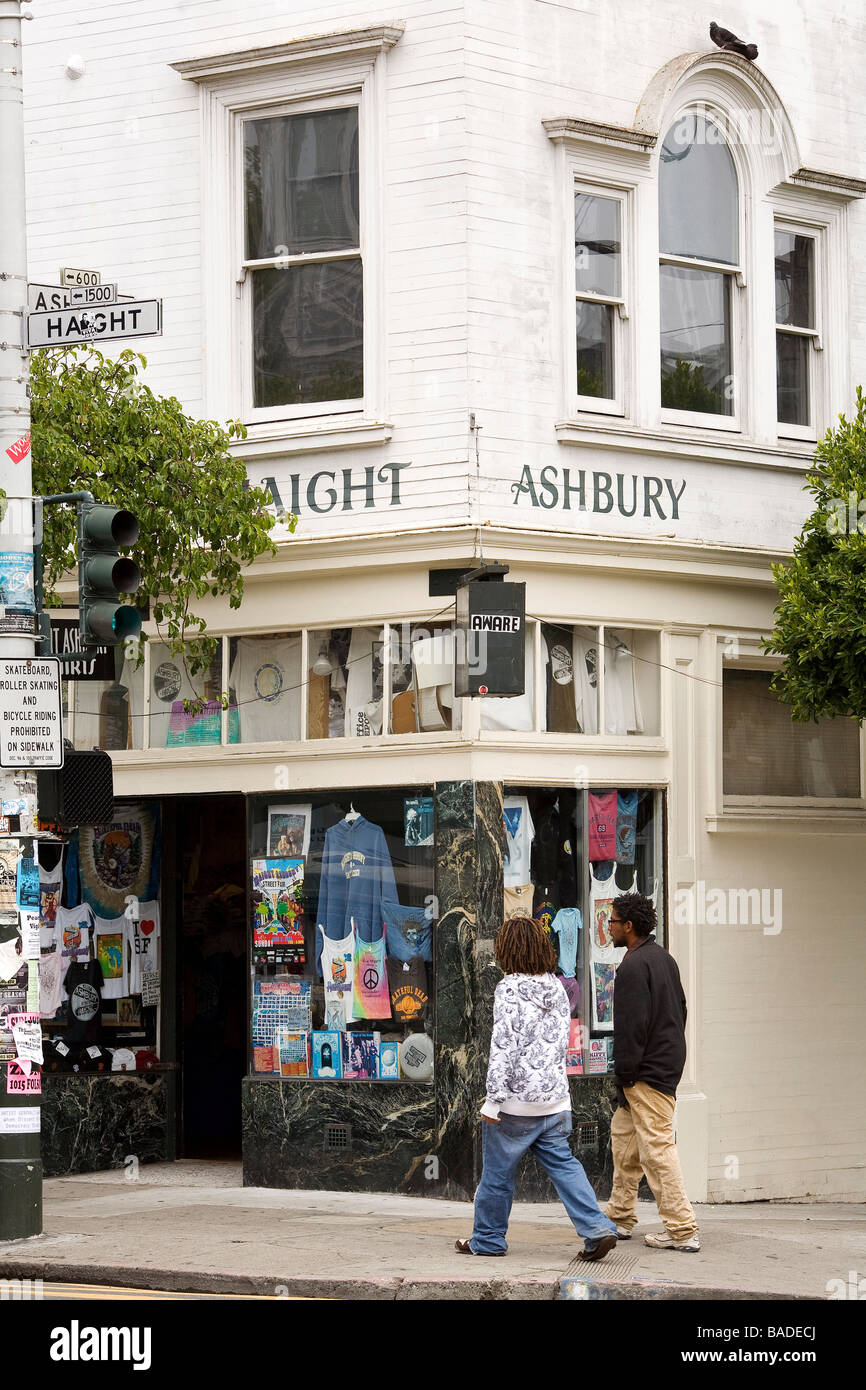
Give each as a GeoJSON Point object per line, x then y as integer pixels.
{"type": "Point", "coordinates": [821, 614]}
{"type": "Point", "coordinates": [96, 425]}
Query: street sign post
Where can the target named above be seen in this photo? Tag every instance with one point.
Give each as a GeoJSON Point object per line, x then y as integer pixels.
{"type": "Point", "coordinates": [31, 712]}
{"type": "Point", "coordinates": [135, 318]}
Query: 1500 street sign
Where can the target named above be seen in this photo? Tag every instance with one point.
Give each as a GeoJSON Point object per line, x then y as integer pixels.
{"type": "Point", "coordinates": [134, 318]}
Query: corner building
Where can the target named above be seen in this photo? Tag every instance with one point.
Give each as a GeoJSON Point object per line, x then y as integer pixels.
{"type": "Point", "coordinates": [497, 280]}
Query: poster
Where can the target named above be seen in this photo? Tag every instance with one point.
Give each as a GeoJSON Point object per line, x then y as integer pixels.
{"type": "Point", "coordinates": [278, 934]}
{"type": "Point", "coordinates": [360, 1056]}
{"type": "Point", "coordinates": [28, 883]}
{"type": "Point", "coordinates": [418, 820]}
{"type": "Point", "coordinates": [603, 977]}
{"type": "Point", "coordinates": [18, 1083]}
{"type": "Point", "coordinates": [289, 831]}
{"type": "Point", "coordinates": [20, 1119]}
{"type": "Point", "coordinates": [149, 988]}
{"type": "Point", "coordinates": [17, 599]}
{"type": "Point", "coordinates": [293, 1054]}
{"type": "Point", "coordinates": [30, 934]}
{"type": "Point", "coordinates": [28, 1039]}
{"type": "Point", "coordinates": [10, 851]}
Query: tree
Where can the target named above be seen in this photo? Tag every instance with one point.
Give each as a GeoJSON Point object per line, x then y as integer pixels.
{"type": "Point", "coordinates": [97, 427]}
{"type": "Point", "coordinates": [820, 625]}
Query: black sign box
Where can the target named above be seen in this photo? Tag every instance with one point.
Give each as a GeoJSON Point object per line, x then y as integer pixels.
{"type": "Point", "coordinates": [490, 638]}
{"type": "Point", "coordinates": [96, 664]}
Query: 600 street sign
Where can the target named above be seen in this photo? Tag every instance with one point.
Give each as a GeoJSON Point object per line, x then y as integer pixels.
{"type": "Point", "coordinates": [134, 318]}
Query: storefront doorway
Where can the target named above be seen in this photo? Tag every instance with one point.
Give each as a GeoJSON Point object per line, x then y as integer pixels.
{"type": "Point", "coordinates": [211, 936]}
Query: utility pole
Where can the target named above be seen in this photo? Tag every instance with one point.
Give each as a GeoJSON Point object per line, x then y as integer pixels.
{"type": "Point", "coordinates": [20, 1156]}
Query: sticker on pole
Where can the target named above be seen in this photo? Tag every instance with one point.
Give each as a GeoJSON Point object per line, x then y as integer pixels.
{"type": "Point", "coordinates": [25, 1119]}
{"type": "Point", "coordinates": [31, 718]}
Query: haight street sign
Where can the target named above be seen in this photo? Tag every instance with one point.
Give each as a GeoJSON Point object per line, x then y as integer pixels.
{"type": "Point", "coordinates": [96, 664]}
{"type": "Point", "coordinates": [134, 318]}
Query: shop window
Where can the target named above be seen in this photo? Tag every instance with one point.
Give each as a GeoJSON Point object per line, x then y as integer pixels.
{"type": "Point", "coordinates": [342, 934]}
{"type": "Point", "coordinates": [185, 706]}
{"type": "Point", "coordinates": [767, 755]}
{"type": "Point", "coordinates": [630, 687]}
{"type": "Point", "coordinates": [349, 669]}
{"type": "Point", "coordinates": [110, 714]}
{"type": "Point", "coordinates": [516, 713]}
{"type": "Point", "coordinates": [265, 688]}
{"type": "Point", "coordinates": [568, 854]}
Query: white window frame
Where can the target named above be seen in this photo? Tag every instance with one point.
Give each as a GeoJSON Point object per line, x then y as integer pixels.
{"type": "Point", "coordinates": [620, 346]}
{"type": "Point", "coordinates": [318, 72]}
{"type": "Point", "coordinates": [816, 335]}
{"type": "Point", "coordinates": [733, 423]}
{"type": "Point", "coordinates": [252, 414]}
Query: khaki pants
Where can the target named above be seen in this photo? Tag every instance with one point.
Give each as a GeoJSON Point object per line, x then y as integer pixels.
{"type": "Point", "coordinates": [642, 1139]}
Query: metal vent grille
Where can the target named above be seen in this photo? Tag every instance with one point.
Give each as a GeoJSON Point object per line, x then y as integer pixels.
{"type": "Point", "coordinates": [587, 1135]}
{"type": "Point", "coordinates": [81, 792]}
{"type": "Point", "coordinates": [338, 1137]}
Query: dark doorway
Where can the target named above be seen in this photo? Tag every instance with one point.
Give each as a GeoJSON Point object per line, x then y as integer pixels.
{"type": "Point", "coordinates": [212, 971]}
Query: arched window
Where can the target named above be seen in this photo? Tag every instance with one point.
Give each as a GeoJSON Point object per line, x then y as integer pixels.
{"type": "Point", "coordinates": [699, 258]}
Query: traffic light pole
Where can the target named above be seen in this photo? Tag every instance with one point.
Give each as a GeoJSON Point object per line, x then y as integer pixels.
{"type": "Point", "coordinates": [20, 1156]}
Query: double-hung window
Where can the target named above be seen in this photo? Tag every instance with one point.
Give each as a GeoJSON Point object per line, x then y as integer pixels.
{"type": "Point", "coordinates": [302, 268]}
{"type": "Point", "coordinates": [699, 237]}
{"type": "Point", "coordinates": [599, 299]}
{"type": "Point", "coordinates": [796, 331]}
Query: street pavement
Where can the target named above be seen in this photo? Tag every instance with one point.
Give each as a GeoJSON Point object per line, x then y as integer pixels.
{"type": "Point", "coordinates": [192, 1226]}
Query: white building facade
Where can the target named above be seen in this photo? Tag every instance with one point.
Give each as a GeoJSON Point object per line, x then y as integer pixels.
{"type": "Point", "coordinates": [563, 287]}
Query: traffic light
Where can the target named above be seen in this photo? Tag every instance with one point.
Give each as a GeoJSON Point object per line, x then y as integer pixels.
{"type": "Point", "coordinates": [103, 574]}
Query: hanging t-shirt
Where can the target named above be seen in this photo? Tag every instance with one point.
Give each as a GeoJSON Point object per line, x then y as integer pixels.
{"type": "Point", "coordinates": [566, 925]}
{"type": "Point", "coordinates": [407, 986]}
{"type": "Point", "coordinates": [363, 700]}
{"type": "Point", "coordinates": [370, 998]}
{"type": "Point", "coordinates": [10, 959]}
{"type": "Point", "coordinates": [142, 936]}
{"type": "Point", "coordinates": [356, 877]}
{"type": "Point", "coordinates": [626, 820]}
{"type": "Point", "coordinates": [84, 988]}
{"type": "Point", "coordinates": [266, 678]}
{"type": "Point", "coordinates": [604, 956]}
{"type": "Point", "coordinates": [624, 714]}
{"type": "Point", "coordinates": [561, 704]}
{"type": "Point", "coordinates": [585, 656]}
{"type": "Point", "coordinates": [519, 834]}
{"type": "Point", "coordinates": [50, 894]}
{"type": "Point", "coordinates": [51, 973]}
{"type": "Point", "coordinates": [71, 936]}
{"type": "Point", "coordinates": [601, 813]}
{"type": "Point", "coordinates": [517, 901]}
{"type": "Point", "coordinates": [338, 963]}
{"type": "Point", "coordinates": [110, 949]}
{"type": "Point", "coordinates": [170, 683]}
{"type": "Point", "coordinates": [516, 712]}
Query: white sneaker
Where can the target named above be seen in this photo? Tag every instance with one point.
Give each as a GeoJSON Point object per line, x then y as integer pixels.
{"type": "Point", "coordinates": [662, 1241]}
{"type": "Point", "coordinates": [623, 1233]}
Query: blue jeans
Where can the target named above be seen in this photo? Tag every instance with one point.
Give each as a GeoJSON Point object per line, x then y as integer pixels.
{"type": "Point", "coordinates": [504, 1144]}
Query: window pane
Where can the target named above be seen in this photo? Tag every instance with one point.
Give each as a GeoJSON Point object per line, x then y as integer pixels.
{"type": "Point", "coordinates": [792, 378]}
{"type": "Point", "coordinates": [171, 685]}
{"type": "Point", "coordinates": [696, 340]}
{"type": "Point", "coordinates": [301, 183]}
{"type": "Point", "coordinates": [596, 244]}
{"type": "Point", "coordinates": [595, 350]}
{"type": "Point", "coordinates": [794, 280]}
{"type": "Point", "coordinates": [265, 687]}
{"type": "Point", "coordinates": [631, 681]}
{"type": "Point", "coordinates": [698, 208]}
{"type": "Point", "coordinates": [308, 333]}
{"type": "Point", "coordinates": [766, 754]}
{"type": "Point", "coordinates": [345, 697]}
{"type": "Point", "coordinates": [110, 714]}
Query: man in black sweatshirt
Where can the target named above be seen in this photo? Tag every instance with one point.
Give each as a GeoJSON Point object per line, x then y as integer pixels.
{"type": "Point", "coordinates": [649, 1053]}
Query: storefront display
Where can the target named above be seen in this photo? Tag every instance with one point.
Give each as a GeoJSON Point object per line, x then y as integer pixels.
{"type": "Point", "coordinates": [343, 935]}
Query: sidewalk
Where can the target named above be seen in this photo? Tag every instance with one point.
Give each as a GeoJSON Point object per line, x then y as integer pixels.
{"type": "Point", "coordinates": [192, 1226]}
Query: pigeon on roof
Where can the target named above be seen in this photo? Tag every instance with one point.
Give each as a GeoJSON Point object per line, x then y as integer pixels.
{"type": "Point", "coordinates": [730, 43]}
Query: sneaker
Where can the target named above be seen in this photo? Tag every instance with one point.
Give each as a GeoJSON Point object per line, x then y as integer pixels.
{"type": "Point", "coordinates": [662, 1241]}
{"type": "Point", "coordinates": [623, 1233]}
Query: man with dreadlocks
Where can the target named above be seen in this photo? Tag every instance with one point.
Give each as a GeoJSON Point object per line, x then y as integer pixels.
{"type": "Point", "coordinates": [528, 1105]}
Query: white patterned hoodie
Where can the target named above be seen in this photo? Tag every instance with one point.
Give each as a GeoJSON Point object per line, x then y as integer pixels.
{"type": "Point", "coordinates": [526, 1073]}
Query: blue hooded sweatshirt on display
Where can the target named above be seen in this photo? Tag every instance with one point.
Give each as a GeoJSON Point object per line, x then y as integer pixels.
{"type": "Point", "coordinates": [356, 876]}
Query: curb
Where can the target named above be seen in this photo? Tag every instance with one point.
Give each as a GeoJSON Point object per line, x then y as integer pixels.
{"type": "Point", "coordinates": [577, 1290]}
{"type": "Point", "coordinates": [359, 1290]}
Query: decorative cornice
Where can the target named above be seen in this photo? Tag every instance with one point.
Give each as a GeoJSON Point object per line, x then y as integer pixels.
{"type": "Point", "coordinates": [375, 38]}
{"type": "Point", "coordinates": [841, 184]}
{"type": "Point", "coordinates": [562, 128]}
